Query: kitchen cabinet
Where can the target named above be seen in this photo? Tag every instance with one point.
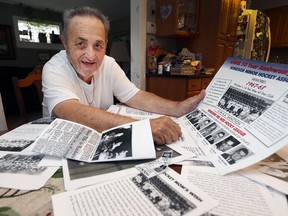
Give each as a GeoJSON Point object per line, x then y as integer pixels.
{"type": "Point", "coordinates": [224, 49]}
{"type": "Point", "coordinates": [278, 26]}
{"type": "Point", "coordinates": [227, 27]}
{"type": "Point", "coordinates": [177, 87]}
{"type": "Point", "coordinates": [228, 19]}
{"type": "Point", "coordinates": [177, 18]}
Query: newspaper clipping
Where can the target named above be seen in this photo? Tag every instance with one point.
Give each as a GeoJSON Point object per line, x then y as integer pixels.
{"type": "Point", "coordinates": [243, 118]}
{"type": "Point", "coordinates": [75, 141]}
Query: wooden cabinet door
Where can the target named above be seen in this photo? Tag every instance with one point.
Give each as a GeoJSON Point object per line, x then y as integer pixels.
{"type": "Point", "coordinates": [224, 49]}
{"type": "Point", "coordinates": [172, 88]}
{"type": "Point", "coordinates": [177, 18]}
{"type": "Point", "coordinates": [206, 82]}
{"type": "Point", "coordinates": [224, 19]}
{"type": "Point", "coordinates": [166, 25]}
{"type": "Point", "coordinates": [228, 19]}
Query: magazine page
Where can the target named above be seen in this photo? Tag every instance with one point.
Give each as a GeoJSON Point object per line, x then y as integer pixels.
{"type": "Point", "coordinates": [165, 194]}
{"type": "Point", "coordinates": [20, 138]}
{"type": "Point", "coordinates": [236, 194]}
{"type": "Point", "coordinates": [78, 174]}
{"type": "Point", "coordinates": [75, 141]}
{"type": "Point", "coordinates": [15, 166]}
{"type": "Point", "coordinates": [243, 117]}
{"type": "Point", "coordinates": [272, 171]}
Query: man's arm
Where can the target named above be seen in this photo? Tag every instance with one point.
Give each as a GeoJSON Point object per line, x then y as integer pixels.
{"type": "Point", "coordinates": [95, 118]}
{"type": "Point", "coordinates": [150, 102]}
{"type": "Point", "coordinates": [164, 129]}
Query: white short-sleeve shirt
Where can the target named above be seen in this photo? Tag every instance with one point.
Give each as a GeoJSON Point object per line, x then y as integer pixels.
{"type": "Point", "coordinates": [60, 82]}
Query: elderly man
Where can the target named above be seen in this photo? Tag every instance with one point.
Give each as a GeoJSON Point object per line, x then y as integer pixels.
{"type": "Point", "coordinates": [79, 82]}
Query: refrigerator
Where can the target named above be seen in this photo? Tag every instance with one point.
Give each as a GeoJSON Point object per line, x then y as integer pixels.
{"type": "Point", "coordinates": [253, 38]}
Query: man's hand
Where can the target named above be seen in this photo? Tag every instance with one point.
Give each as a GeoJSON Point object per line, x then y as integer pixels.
{"type": "Point", "coordinates": [165, 130]}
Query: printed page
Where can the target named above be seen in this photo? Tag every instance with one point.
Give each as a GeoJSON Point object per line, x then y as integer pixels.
{"type": "Point", "coordinates": [131, 112]}
{"type": "Point", "coordinates": [126, 142]}
{"type": "Point", "coordinates": [272, 171]}
{"type": "Point", "coordinates": [124, 110]}
{"type": "Point", "coordinates": [22, 171]}
{"type": "Point", "coordinates": [185, 142]}
{"type": "Point", "coordinates": [156, 167]}
{"type": "Point", "coordinates": [75, 141]}
{"type": "Point", "coordinates": [20, 138]}
{"type": "Point", "coordinates": [78, 174]}
{"type": "Point", "coordinates": [236, 195]}
{"type": "Point", "coordinates": [243, 117]}
{"type": "Point", "coordinates": [165, 194]}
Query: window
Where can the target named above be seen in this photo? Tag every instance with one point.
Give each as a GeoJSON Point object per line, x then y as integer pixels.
{"type": "Point", "coordinates": [37, 33]}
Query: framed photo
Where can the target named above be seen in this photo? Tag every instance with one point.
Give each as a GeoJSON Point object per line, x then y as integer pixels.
{"type": "Point", "coordinates": [6, 43]}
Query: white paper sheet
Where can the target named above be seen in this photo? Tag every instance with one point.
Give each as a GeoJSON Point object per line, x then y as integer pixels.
{"type": "Point", "coordinates": [243, 117]}
{"type": "Point", "coordinates": [79, 174]}
{"type": "Point", "coordinates": [165, 194]}
{"type": "Point", "coordinates": [22, 171]}
{"type": "Point", "coordinates": [273, 171]}
{"type": "Point", "coordinates": [236, 195]}
{"type": "Point", "coordinates": [71, 140]}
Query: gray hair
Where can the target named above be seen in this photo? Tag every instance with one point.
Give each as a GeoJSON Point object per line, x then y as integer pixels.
{"type": "Point", "coordinates": [84, 11]}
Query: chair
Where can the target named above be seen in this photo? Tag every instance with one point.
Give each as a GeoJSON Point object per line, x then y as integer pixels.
{"type": "Point", "coordinates": [33, 78]}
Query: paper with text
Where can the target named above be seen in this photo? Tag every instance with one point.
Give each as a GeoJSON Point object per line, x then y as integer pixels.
{"type": "Point", "coordinates": [75, 141]}
{"type": "Point", "coordinates": [23, 172]}
{"type": "Point", "coordinates": [236, 195]}
{"type": "Point", "coordinates": [243, 117]}
{"type": "Point", "coordinates": [165, 194]}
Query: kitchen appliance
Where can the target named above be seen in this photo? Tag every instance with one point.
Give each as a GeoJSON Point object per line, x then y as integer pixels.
{"type": "Point", "coordinates": [253, 36]}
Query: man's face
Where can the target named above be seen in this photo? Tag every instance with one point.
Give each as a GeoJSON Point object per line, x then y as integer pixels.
{"type": "Point", "coordinates": [226, 145]}
{"type": "Point", "coordinates": [219, 135]}
{"type": "Point", "coordinates": [85, 45]}
{"type": "Point", "coordinates": [238, 155]}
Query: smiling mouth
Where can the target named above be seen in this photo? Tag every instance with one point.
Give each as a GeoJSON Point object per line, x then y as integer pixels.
{"type": "Point", "coordinates": [89, 63]}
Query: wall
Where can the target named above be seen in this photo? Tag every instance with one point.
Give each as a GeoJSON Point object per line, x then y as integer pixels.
{"type": "Point", "coordinates": [25, 57]}
{"type": "Point", "coordinates": [266, 4]}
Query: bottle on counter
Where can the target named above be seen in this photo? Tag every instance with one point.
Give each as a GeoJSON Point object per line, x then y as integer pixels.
{"type": "Point", "coordinates": [160, 69]}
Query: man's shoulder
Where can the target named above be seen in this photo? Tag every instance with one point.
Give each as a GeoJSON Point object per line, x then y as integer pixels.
{"type": "Point", "coordinates": [60, 56]}
{"type": "Point", "coordinates": [58, 60]}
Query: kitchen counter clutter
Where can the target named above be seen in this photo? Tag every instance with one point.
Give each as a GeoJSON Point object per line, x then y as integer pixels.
{"type": "Point", "coordinates": [177, 87]}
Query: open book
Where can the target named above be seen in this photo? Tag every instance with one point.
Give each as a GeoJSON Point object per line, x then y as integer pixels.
{"type": "Point", "coordinates": [71, 140]}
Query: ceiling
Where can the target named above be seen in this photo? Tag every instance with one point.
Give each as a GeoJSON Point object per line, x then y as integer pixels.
{"type": "Point", "coordinates": [114, 9]}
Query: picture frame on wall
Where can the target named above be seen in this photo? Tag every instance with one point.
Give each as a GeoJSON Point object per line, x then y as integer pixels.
{"type": "Point", "coordinates": [6, 43]}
